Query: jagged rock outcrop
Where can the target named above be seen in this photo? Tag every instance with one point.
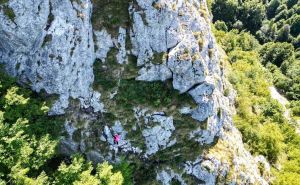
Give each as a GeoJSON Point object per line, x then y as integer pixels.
{"type": "Point", "coordinates": [49, 45]}
{"type": "Point", "coordinates": [192, 57]}
{"type": "Point", "coordinates": [104, 44]}
{"type": "Point", "coordinates": [156, 136]}
{"type": "Point", "coordinates": [124, 145]}
{"type": "Point", "coordinates": [228, 162]}
{"type": "Point", "coordinates": [166, 176]}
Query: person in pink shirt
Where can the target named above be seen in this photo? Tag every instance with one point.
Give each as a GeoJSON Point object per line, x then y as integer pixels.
{"type": "Point", "coordinates": [117, 138]}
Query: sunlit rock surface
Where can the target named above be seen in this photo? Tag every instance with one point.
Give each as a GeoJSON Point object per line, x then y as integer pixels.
{"type": "Point", "coordinates": [51, 46]}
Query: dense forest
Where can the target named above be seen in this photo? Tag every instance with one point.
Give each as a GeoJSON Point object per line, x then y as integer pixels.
{"type": "Point", "coordinates": [261, 39]}
{"type": "Point", "coordinates": [275, 25]}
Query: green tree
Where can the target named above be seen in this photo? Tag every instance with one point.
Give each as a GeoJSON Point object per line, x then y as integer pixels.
{"type": "Point", "coordinates": [221, 25]}
{"type": "Point", "coordinates": [225, 10]}
{"type": "Point", "coordinates": [235, 40]}
{"type": "Point", "coordinates": [276, 53]}
{"type": "Point", "coordinates": [295, 106]}
{"type": "Point", "coordinates": [127, 171]}
{"type": "Point", "coordinates": [272, 7]}
{"type": "Point", "coordinates": [283, 34]}
{"type": "Point", "coordinates": [252, 14]}
{"type": "Point", "coordinates": [295, 25]}
{"type": "Point", "coordinates": [267, 32]}
{"type": "Point", "coordinates": [22, 153]}
{"type": "Point", "coordinates": [291, 3]}
{"type": "Point", "coordinates": [259, 118]}
{"type": "Point", "coordinates": [80, 172]}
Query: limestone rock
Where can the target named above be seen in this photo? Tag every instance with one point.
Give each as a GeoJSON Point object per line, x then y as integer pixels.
{"type": "Point", "coordinates": [167, 175]}
{"type": "Point", "coordinates": [67, 146]}
{"type": "Point", "coordinates": [186, 39]}
{"type": "Point", "coordinates": [153, 72]}
{"type": "Point", "coordinates": [185, 110]}
{"type": "Point", "coordinates": [103, 44]}
{"type": "Point", "coordinates": [203, 171]}
{"type": "Point", "coordinates": [124, 145]}
{"type": "Point", "coordinates": [50, 46]}
{"type": "Point", "coordinates": [122, 54]}
{"type": "Point", "coordinates": [95, 156]}
{"type": "Point", "coordinates": [216, 163]}
{"type": "Point", "coordinates": [159, 135]}
{"type": "Point", "coordinates": [157, 130]}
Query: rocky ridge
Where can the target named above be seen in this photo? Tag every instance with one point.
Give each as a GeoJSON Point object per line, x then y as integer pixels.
{"type": "Point", "coordinates": [51, 45]}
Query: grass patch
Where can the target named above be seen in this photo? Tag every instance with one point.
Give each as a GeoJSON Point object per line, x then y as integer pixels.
{"type": "Point", "coordinates": [175, 182]}
{"type": "Point", "coordinates": [3, 2]}
{"type": "Point", "coordinates": [9, 12]}
{"type": "Point", "coordinates": [190, 179]}
{"type": "Point", "coordinates": [48, 38]}
{"type": "Point", "coordinates": [145, 173]}
{"type": "Point", "coordinates": [137, 138]}
{"type": "Point", "coordinates": [153, 94]}
{"type": "Point", "coordinates": [50, 17]}
{"type": "Point", "coordinates": [110, 14]}
{"type": "Point", "coordinates": [107, 74]}
{"type": "Point", "coordinates": [159, 58]}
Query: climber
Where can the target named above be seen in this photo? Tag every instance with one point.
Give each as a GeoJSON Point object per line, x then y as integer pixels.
{"type": "Point", "coordinates": [116, 138]}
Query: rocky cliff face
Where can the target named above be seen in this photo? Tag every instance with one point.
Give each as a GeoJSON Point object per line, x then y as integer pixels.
{"type": "Point", "coordinates": [146, 69]}
{"type": "Point", "coordinates": [49, 45]}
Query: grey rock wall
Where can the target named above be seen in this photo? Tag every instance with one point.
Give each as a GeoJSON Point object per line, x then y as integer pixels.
{"type": "Point", "coordinates": [50, 45]}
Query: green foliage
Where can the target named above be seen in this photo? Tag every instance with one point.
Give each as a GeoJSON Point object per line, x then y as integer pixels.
{"type": "Point", "coordinates": [154, 94]}
{"type": "Point", "coordinates": [103, 77]}
{"type": "Point", "coordinates": [276, 24]}
{"type": "Point", "coordinates": [221, 25]}
{"type": "Point", "coordinates": [260, 140]}
{"type": "Point", "coordinates": [3, 2]}
{"type": "Point", "coordinates": [9, 12]}
{"type": "Point", "coordinates": [276, 20]}
{"type": "Point", "coordinates": [295, 25]}
{"type": "Point", "coordinates": [291, 166]}
{"type": "Point", "coordinates": [284, 27]}
{"type": "Point", "coordinates": [127, 171]}
{"type": "Point", "coordinates": [282, 23]}
{"type": "Point", "coordinates": [276, 53]}
{"type": "Point", "coordinates": [226, 11]}
{"type": "Point", "coordinates": [272, 7]}
{"type": "Point", "coordinates": [286, 68]}
{"type": "Point", "coordinates": [260, 118]}
{"type": "Point", "coordinates": [252, 14]}
{"type": "Point", "coordinates": [295, 107]}
{"type": "Point", "coordinates": [79, 172]}
{"type": "Point", "coordinates": [23, 150]}
{"type": "Point", "coordinates": [255, 108]}
{"type": "Point", "coordinates": [291, 3]}
{"type": "Point", "coordinates": [110, 14]}
{"type": "Point", "coordinates": [159, 58]}
{"type": "Point", "coordinates": [107, 74]}
{"type": "Point", "coordinates": [235, 40]}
